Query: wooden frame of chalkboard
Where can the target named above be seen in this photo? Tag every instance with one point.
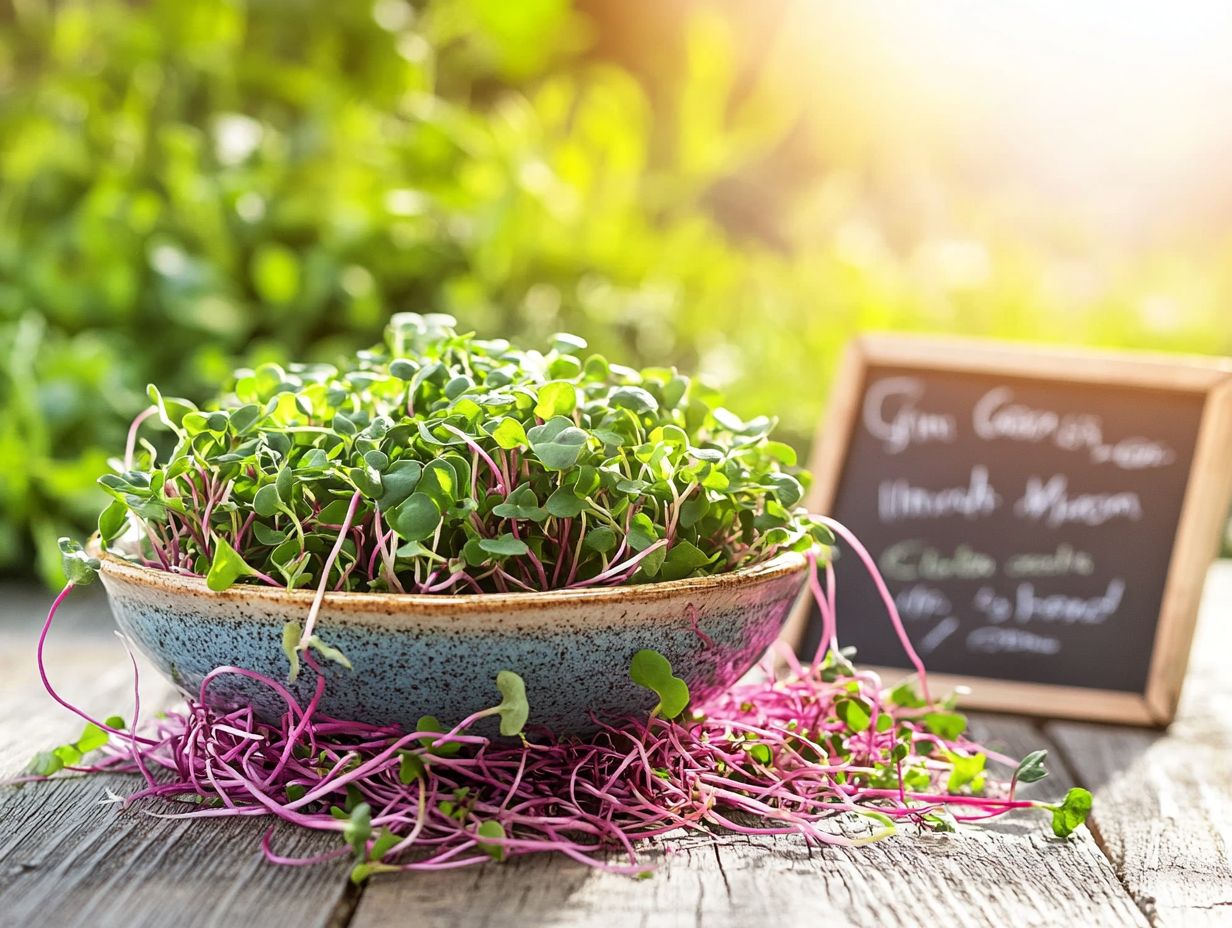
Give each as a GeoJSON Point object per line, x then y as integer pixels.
{"type": "Point", "coordinates": [1204, 494]}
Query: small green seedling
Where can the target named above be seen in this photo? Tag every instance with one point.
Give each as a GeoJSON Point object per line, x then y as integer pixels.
{"type": "Point", "coordinates": [80, 568]}
{"type": "Point", "coordinates": [1071, 813]}
{"type": "Point", "coordinates": [1031, 768]}
{"type": "Point", "coordinates": [653, 671]}
{"type": "Point", "coordinates": [513, 709]}
{"type": "Point", "coordinates": [46, 763]}
{"type": "Point", "coordinates": [293, 642]}
{"type": "Point", "coordinates": [490, 836]}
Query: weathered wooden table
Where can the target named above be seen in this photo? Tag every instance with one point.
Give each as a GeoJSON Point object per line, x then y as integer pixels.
{"type": "Point", "coordinates": [1159, 850]}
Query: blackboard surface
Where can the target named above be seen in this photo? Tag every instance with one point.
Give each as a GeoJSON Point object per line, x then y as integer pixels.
{"type": "Point", "coordinates": [1024, 525]}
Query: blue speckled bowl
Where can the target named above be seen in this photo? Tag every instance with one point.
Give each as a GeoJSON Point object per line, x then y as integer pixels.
{"type": "Point", "coordinates": [439, 655]}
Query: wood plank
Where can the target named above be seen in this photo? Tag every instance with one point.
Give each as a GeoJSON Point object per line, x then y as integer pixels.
{"type": "Point", "coordinates": [1163, 801]}
{"type": "Point", "coordinates": [88, 665]}
{"type": "Point", "coordinates": [63, 854]}
{"type": "Point", "coordinates": [67, 859]}
{"type": "Point", "coordinates": [1011, 874]}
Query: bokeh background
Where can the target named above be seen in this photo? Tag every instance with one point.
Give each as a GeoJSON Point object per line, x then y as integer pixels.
{"type": "Point", "coordinates": [734, 187]}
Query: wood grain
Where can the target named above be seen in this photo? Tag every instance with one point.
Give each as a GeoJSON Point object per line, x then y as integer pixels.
{"type": "Point", "coordinates": [65, 856]}
{"type": "Point", "coordinates": [1163, 802]}
{"type": "Point", "coordinates": [66, 859]}
{"type": "Point", "coordinates": [1010, 874]}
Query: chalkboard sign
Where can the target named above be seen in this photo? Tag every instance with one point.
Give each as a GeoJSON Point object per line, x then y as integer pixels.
{"type": "Point", "coordinates": [1044, 519]}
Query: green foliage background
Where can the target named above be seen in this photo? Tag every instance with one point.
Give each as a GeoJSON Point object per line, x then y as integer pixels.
{"type": "Point", "coordinates": [187, 184]}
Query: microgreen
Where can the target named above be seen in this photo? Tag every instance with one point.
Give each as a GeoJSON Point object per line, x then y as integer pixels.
{"type": "Point", "coordinates": [490, 836]}
{"type": "Point", "coordinates": [410, 768]}
{"type": "Point", "coordinates": [443, 747]}
{"type": "Point", "coordinates": [226, 567]}
{"type": "Point", "coordinates": [1031, 768]}
{"type": "Point", "coordinates": [292, 632]}
{"type": "Point", "coordinates": [966, 771]}
{"type": "Point", "coordinates": [92, 738]}
{"type": "Point", "coordinates": [513, 708]}
{"type": "Point", "coordinates": [473, 466]}
{"type": "Point", "coordinates": [1071, 813]}
{"type": "Point", "coordinates": [854, 713]}
{"type": "Point", "coordinates": [948, 725]}
{"type": "Point", "coordinates": [80, 568]}
{"type": "Point", "coordinates": [653, 671]}
{"type": "Point", "coordinates": [358, 828]}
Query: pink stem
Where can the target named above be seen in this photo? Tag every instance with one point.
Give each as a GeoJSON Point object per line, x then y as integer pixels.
{"type": "Point", "coordinates": [895, 619]}
{"type": "Point", "coordinates": [130, 446]}
{"type": "Point", "coordinates": [315, 608]}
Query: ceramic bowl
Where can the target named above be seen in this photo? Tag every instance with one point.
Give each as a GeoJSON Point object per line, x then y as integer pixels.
{"type": "Point", "coordinates": [417, 655]}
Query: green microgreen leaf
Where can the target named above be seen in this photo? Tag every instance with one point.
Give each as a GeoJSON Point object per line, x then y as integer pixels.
{"type": "Point", "coordinates": [854, 713]}
{"type": "Point", "coordinates": [44, 764]}
{"type": "Point", "coordinates": [522, 503]}
{"type": "Point", "coordinates": [557, 443]}
{"type": "Point", "coordinates": [327, 651]}
{"type": "Point", "coordinates": [1031, 768]}
{"type": "Point", "coordinates": [383, 844]}
{"type": "Point", "coordinates": [489, 836]}
{"type": "Point", "coordinates": [292, 632]}
{"type": "Point", "coordinates": [410, 767]}
{"type": "Point", "coordinates": [226, 567]}
{"type": "Point", "coordinates": [635, 399]}
{"type": "Point", "coordinates": [556, 398]}
{"type": "Point", "coordinates": [601, 539]}
{"type": "Point", "coordinates": [965, 770]}
{"type": "Point", "coordinates": [80, 568]}
{"type": "Point", "coordinates": [947, 725]}
{"type": "Point", "coordinates": [1071, 813]}
{"type": "Point", "coordinates": [760, 753]}
{"type": "Point", "coordinates": [445, 748]}
{"type": "Point", "coordinates": [361, 872]}
{"type": "Point", "coordinates": [509, 434]}
{"type": "Point", "coordinates": [652, 670]}
{"type": "Point", "coordinates": [416, 518]}
{"type": "Point", "coordinates": [92, 738]}
{"type": "Point", "coordinates": [513, 709]}
{"type": "Point", "coordinates": [682, 559]}
{"type": "Point", "coordinates": [112, 522]}
{"type": "Point", "coordinates": [564, 503]}
{"type": "Point", "coordinates": [504, 546]}
{"type": "Point", "coordinates": [398, 481]}
{"type": "Point", "coordinates": [906, 695]}
{"type": "Point", "coordinates": [358, 828]}
{"type": "Point", "coordinates": [267, 502]}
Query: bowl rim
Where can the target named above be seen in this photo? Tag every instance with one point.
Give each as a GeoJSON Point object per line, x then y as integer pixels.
{"type": "Point", "coordinates": [783, 564]}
